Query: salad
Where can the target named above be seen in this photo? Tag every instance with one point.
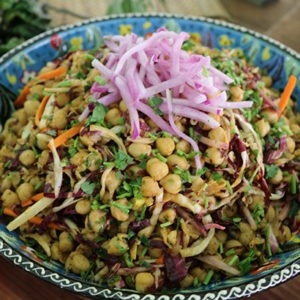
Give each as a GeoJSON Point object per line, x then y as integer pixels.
{"type": "Point", "coordinates": [152, 163]}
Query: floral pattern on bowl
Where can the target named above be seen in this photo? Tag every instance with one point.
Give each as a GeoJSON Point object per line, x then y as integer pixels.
{"type": "Point", "coordinates": [17, 66]}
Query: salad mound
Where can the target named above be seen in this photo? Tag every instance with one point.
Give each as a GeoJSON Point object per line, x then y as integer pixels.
{"type": "Point", "coordinates": [152, 163]}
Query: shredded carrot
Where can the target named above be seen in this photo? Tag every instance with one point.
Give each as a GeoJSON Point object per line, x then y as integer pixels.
{"type": "Point", "coordinates": [9, 212]}
{"type": "Point", "coordinates": [267, 267]}
{"type": "Point", "coordinates": [36, 220]}
{"type": "Point", "coordinates": [160, 260]}
{"type": "Point", "coordinates": [64, 137]}
{"type": "Point", "coordinates": [37, 197]}
{"type": "Point", "coordinates": [49, 75]}
{"type": "Point", "coordinates": [40, 110]}
{"type": "Point", "coordinates": [32, 199]}
{"type": "Point", "coordinates": [285, 97]}
{"type": "Point", "coordinates": [53, 73]}
{"type": "Point", "coordinates": [21, 98]}
{"type": "Point", "coordinates": [53, 225]}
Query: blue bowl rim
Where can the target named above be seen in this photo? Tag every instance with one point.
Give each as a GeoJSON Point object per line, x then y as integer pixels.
{"type": "Point", "coordinates": [81, 287]}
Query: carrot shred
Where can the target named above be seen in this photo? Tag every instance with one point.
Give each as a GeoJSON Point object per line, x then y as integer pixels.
{"type": "Point", "coordinates": [53, 73]}
{"type": "Point", "coordinates": [21, 98]}
{"type": "Point", "coordinates": [287, 92]}
{"type": "Point", "coordinates": [36, 220]}
{"type": "Point", "coordinates": [160, 260]}
{"type": "Point", "coordinates": [49, 75]}
{"type": "Point", "coordinates": [40, 110]}
{"type": "Point", "coordinates": [32, 199]}
{"type": "Point", "coordinates": [9, 212]}
{"type": "Point", "coordinates": [64, 137]}
{"type": "Point", "coordinates": [53, 225]}
{"type": "Point", "coordinates": [37, 197]}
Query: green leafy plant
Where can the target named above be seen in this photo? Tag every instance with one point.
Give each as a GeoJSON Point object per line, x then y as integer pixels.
{"type": "Point", "coordinates": [20, 20]}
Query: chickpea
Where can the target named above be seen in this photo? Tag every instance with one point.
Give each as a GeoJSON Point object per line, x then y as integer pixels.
{"type": "Point", "coordinates": [62, 99]}
{"type": "Point", "coordinates": [291, 145]}
{"type": "Point", "coordinates": [218, 134]}
{"type": "Point", "coordinates": [37, 89]}
{"type": "Point", "coordinates": [25, 191]}
{"type": "Point", "coordinates": [113, 116]}
{"type": "Point", "coordinates": [150, 187]}
{"type": "Point", "coordinates": [27, 157]}
{"type": "Point", "coordinates": [77, 262]}
{"type": "Point", "coordinates": [187, 281]}
{"type": "Point", "coordinates": [237, 94]}
{"type": "Point", "coordinates": [123, 106]}
{"type": "Point", "coordinates": [246, 235]}
{"type": "Point", "coordinates": [65, 243]}
{"type": "Point", "coordinates": [213, 246]}
{"type": "Point", "coordinates": [174, 161]}
{"type": "Point", "coordinates": [83, 207]}
{"type": "Point", "coordinates": [221, 236]}
{"type": "Point", "coordinates": [15, 178]}
{"type": "Point", "coordinates": [97, 220]}
{"type": "Point", "coordinates": [93, 161]}
{"type": "Point", "coordinates": [143, 281]}
{"type": "Point", "coordinates": [117, 246]}
{"type": "Point", "coordinates": [5, 184]}
{"type": "Point", "coordinates": [171, 183]}
{"type": "Point", "coordinates": [79, 158]}
{"type": "Point", "coordinates": [214, 156]}
{"type": "Point", "coordinates": [138, 149]}
{"type": "Point", "coordinates": [267, 80]}
{"type": "Point", "coordinates": [198, 273]}
{"type": "Point", "coordinates": [165, 146]}
{"type": "Point", "coordinates": [256, 199]}
{"type": "Point", "coordinates": [157, 169]}
{"type": "Point", "coordinates": [56, 254]}
{"type": "Point", "coordinates": [30, 107]}
{"type": "Point", "coordinates": [42, 140]}
{"type": "Point", "coordinates": [135, 171]}
{"type": "Point", "coordinates": [9, 198]}
{"type": "Point", "coordinates": [59, 120]}
{"type": "Point", "coordinates": [117, 213]}
{"type": "Point", "coordinates": [263, 127]}
{"type": "Point", "coordinates": [168, 215]}
{"type": "Point", "coordinates": [277, 178]}
{"type": "Point", "coordinates": [21, 116]}
{"type": "Point", "coordinates": [184, 146]}
{"type": "Point", "coordinates": [43, 159]}
{"type": "Point", "coordinates": [270, 115]}
{"type": "Point", "coordinates": [270, 216]}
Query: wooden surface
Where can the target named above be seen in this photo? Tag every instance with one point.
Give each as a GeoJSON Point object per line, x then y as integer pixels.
{"type": "Point", "coordinates": [280, 19]}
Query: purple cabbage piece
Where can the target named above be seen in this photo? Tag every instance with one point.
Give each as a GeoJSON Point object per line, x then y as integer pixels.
{"type": "Point", "coordinates": [175, 267]}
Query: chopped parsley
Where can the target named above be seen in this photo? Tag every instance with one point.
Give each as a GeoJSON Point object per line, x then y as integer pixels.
{"type": "Point", "coordinates": [154, 102]}
{"type": "Point", "coordinates": [122, 160]}
{"type": "Point", "coordinates": [88, 187]}
{"type": "Point", "coordinates": [100, 80]}
{"type": "Point", "coordinates": [271, 171]}
{"type": "Point", "coordinates": [258, 213]}
{"type": "Point", "coordinates": [73, 149]}
{"type": "Point", "coordinates": [98, 114]}
{"type": "Point", "coordinates": [124, 208]}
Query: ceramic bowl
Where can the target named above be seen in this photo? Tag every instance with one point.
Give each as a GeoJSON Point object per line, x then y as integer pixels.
{"type": "Point", "coordinates": [17, 65]}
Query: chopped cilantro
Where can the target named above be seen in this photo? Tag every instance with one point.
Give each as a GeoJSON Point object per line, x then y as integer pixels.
{"type": "Point", "coordinates": [217, 176]}
{"type": "Point", "coordinates": [245, 264]}
{"type": "Point", "coordinates": [202, 171]}
{"type": "Point", "coordinates": [271, 171]}
{"type": "Point", "coordinates": [154, 102]}
{"type": "Point", "coordinates": [128, 261]}
{"type": "Point", "coordinates": [130, 234]}
{"type": "Point", "coordinates": [205, 71]}
{"type": "Point", "coordinates": [100, 80]}
{"type": "Point", "coordinates": [88, 187]}
{"type": "Point", "coordinates": [124, 208]}
{"type": "Point", "coordinates": [143, 162]}
{"type": "Point", "coordinates": [122, 160]}
{"type": "Point", "coordinates": [144, 240]}
{"type": "Point", "coordinates": [185, 175]}
{"type": "Point", "coordinates": [166, 224]}
{"type": "Point", "coordinates": [258, 213]}
{"type": "Point", "coordinates": [65, 83]}
{"type": "Point", "coordinates": [188, 45]}
{"type": "Point", "coordinates": [98, 114]}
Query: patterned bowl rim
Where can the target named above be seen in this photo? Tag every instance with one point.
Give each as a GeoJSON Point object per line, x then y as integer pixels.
{"type": "Point", "coordinates": [81, 287]}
